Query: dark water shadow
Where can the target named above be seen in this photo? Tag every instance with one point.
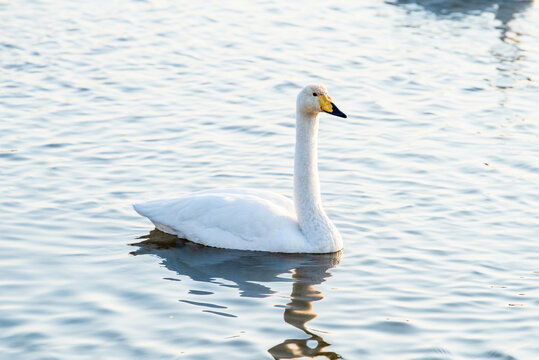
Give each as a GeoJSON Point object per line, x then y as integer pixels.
{"type": "Point", "coordinates": [504, 10]}
{"type": "Point", "coordinates": [252, 272]}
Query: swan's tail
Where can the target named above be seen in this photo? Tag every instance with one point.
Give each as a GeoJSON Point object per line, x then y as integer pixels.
{"type": "Point", "coordinates": [145, 209]}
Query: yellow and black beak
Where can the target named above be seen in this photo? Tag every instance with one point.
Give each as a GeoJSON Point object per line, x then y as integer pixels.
{"type": "Point", "coordinates": [328, 106]}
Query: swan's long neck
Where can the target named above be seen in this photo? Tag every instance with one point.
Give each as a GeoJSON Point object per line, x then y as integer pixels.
{"type": "Point", "coordinates": [312, 219]}
{"type": "Point", "coordinates": [306, 182]}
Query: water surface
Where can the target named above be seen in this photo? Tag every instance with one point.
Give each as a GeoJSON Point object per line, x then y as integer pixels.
{"type": "Point", "coordinates": [433, 180]}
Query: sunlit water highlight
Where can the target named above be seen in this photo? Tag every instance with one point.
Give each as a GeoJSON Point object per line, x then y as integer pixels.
{"type": "Point", "coordinates": [433, 180]}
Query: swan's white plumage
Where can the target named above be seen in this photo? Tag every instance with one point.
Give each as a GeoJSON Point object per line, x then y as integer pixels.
{"type": "Point", "coordinates": [245, 219]}
{"type": "Point", "coordinates": [248, 219]}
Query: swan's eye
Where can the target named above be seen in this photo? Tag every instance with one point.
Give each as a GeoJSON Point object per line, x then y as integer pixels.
{"type": "Point", "coordinates": [314, 94]}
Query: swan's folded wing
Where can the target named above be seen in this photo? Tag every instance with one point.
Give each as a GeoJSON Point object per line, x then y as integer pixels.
{"type": "Point", "coordinates": [231, 218]}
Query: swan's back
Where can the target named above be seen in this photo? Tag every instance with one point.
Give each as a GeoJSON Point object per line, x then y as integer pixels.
{"type": "Point", "coordinates": [244, 219]}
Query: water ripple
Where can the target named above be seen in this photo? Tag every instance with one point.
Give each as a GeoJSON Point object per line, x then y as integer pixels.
{"type": "Point", "coordinates": [432, 179]}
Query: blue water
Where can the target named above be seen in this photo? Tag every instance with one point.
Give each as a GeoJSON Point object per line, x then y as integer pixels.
{"type": "Point", "coordinates": [433, 180]}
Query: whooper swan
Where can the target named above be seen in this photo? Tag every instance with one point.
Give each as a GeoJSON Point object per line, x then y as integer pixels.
{"type": "Point", "coordinates": [249, 219]}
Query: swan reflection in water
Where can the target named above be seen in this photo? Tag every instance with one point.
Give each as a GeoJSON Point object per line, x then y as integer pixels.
{"type": "Point", "coordinates": [249, 270]}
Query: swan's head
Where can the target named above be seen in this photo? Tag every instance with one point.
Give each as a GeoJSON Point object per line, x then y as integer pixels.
{"type": "Point", "coordinates": [314, 99]}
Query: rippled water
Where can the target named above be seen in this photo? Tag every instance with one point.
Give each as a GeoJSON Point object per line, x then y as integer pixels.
{"type": "Point", "coordinates": [433, 180]}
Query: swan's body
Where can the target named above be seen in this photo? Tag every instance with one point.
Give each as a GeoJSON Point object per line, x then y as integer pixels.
{"type": "Point", "coordinates": [248, 219]}
{"type": "Point", "coordinates": [230, 218]}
